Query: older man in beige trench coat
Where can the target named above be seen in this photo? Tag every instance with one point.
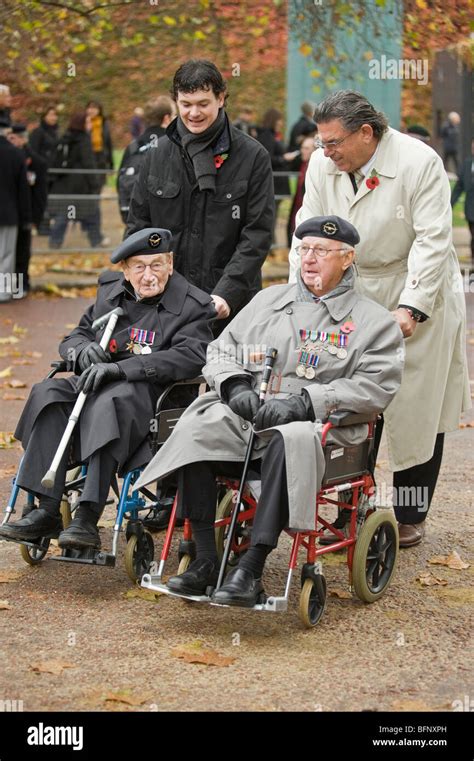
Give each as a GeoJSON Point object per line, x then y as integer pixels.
{"type": "Point", "coordinates": [394, 189]}
{"type": "Point", "coordinates": [336, 350]}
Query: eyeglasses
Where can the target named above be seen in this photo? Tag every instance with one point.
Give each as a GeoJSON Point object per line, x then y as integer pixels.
{"type": "Point", "coordinates": [139, 269]}
{"type": "Point", "coordinates": [332, 143]}
{"type": "Point", "coordinates": [318, 251]}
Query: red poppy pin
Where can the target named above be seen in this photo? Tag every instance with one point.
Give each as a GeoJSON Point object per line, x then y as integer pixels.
{"type": "Point", "coordinates": [373, 180]}
{"type": "Point", "coordinates": [113, 346]}
{"type": "Point", "coordinates": [219, 159]}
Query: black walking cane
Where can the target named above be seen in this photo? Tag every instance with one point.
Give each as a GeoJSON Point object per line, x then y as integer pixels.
{"type": "Point", "coordinates": [270, 356]}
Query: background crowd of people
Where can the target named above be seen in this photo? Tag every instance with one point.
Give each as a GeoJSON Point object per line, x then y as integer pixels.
{"type": "Point", "coordinates": [49, 200]}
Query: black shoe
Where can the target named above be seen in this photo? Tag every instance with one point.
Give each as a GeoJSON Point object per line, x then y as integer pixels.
{"type": "Point", "coordinates": [202, 573]}
{"type": "Point", "coordinates": [80, 534]}
{"type": "Point", "coordinates": [239, 588]}
{"type": "Point", "coordinates": [157, 520]}
{"type": "Point", "coordinates": [38, 524]}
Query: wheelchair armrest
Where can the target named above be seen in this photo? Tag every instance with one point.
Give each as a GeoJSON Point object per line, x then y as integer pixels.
{"type": "Point", "coordinates": [340, 418]}
{"type": "Point", "coordinates": [198, 381]}
{"type": "Point", "coordinates": [59, 366]}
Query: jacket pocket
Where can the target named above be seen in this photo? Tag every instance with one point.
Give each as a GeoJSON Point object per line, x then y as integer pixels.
{"type": "Point", "coordinates": [230, 192]}
{"type": "Point", "coordinates": [162, 189]}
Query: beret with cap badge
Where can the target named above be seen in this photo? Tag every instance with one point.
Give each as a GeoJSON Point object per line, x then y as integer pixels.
{"type": "Point", "coordinates": [331, 227]}
{"type": "Point", "coordinates": [151, 240]}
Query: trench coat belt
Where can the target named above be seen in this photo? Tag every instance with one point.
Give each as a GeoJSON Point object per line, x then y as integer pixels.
{"type": "Point", "coordinates": [279, 385]}
{"type": "Point", "coordinates": [394, 268]}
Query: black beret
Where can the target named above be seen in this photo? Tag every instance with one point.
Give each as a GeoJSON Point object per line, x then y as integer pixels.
{"type": "Point", "coordinates": [417, 129]}
{"type": "Point", "coordinates": [151, 240]}
{"type": "Point", "coordinates": [331, 227]}
{"type": "Point", "coordinates": [18, 128]}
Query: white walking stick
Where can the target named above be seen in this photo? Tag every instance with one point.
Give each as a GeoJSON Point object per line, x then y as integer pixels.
{"type": "Point", "coordinates": [111, 319]}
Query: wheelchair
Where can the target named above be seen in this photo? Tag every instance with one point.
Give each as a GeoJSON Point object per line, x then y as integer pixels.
{"type": "Point", "coordinates": [139, 551]}
{"type": "Point", "coordinates": [370, 536]}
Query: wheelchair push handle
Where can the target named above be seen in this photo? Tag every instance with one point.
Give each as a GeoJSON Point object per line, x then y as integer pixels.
{"type": "Point", "coordinates": [270, 357]}
{"type": "Point", "coordinates": [50, 477]}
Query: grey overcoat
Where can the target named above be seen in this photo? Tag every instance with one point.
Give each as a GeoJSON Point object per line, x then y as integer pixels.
{"type": "Point", "coordinates": [364, 381]}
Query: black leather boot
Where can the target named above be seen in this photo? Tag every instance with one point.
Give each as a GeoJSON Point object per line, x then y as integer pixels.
{"type": "Point", "coordinates": [37, 524]}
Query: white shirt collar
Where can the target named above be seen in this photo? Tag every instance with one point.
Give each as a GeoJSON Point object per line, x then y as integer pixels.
{"type": "Point", "coordinates": [365, 170]}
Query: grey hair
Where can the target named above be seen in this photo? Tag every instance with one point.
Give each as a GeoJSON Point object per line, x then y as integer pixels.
{"type": "Point", "coordinates": [353, 110]}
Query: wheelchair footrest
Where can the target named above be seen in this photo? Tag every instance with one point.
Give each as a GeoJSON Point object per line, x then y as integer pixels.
{"type": "Point", "coordinates": [155, 583]}
{"type": "Point", "coordinates": [271, 604]}
{"type": "Point", "coordinates": [87, 555]}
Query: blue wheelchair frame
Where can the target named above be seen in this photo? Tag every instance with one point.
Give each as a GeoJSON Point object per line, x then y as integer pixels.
{"type": "Point", "coordinates": [130, 502]}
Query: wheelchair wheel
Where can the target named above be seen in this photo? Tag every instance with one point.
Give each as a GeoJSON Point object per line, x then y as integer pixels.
{"type": "Point", "coordinates": [139, 555]}
{"type": "Point", "coordinates": [312, 601]}
{"type": "Point", "coordinates": [241, 536]}
{"type": "Point", "coordinates": [184, 564]}
{"type": "Point", "coordinates": [34, 555]}
{"type": "Point", "coordinates": [375, 556]}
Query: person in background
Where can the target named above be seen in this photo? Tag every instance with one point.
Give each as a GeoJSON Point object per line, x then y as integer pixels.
{"type": "Point", "coordinates": [270, 136]}
{"type": "Point", "coordinates": [246, 121]}
{"type": "Point", "coordinates": [74, 151]}
{"type": "Point", "coordinates": [43, 141]}
{"type": "Point", "coordinates": [300, 164]}
{"type": "Point", "coordinates": [419, 132]}
{"type": "Point", "coordinates": [450, 137]}
{"type": "Point", "coordinates": [5, 104]}
{"type": "Point", "coordinates": [15, 210]}
{"type": "Point", "coordinates": [303, 127]}
{"type": "Point", "coordinates": [465, 184]}
{"type": "Point", "coordinates": [100, 138]}
{"type": "Point", "coordinates": [36, 173]}
{"type": "Point", "coordinates": [45, 137]}
{"type": "Point", "coordinates": [158, 113]}
{"type": "Point", "coordinates": [137, 123]}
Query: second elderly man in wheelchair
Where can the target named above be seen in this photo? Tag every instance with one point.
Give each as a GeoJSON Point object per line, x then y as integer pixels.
{"type": "Point", "coordinates": [336, 350]}
{"type": "Point", "coordinates": [160, 337]}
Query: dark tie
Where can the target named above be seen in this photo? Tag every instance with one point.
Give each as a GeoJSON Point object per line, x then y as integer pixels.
{"type": "Point", "coordinates": [356, 179]}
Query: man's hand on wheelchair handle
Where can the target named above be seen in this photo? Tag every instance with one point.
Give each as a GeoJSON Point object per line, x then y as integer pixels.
{"type": "Point", "coordinates": [242, 400]}
{"type": "Point", "coordinates": [98, 375]}
{"type": "Point", "coordinates": [91, 355]}
{"type": "Point", "coordinates": [297, 407]}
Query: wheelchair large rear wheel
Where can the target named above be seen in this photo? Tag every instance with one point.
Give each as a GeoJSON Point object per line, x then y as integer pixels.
{"type": "Point", "coordinates": [375, 556]}
{"type": "Point", "coordinates": [34, 555]}
{"type": "Point", "coordinates": [242, 530]}
{"type": "Point", "coordinates": [312, 601]}
{"type": "Point", "coordinates": [139, 555]}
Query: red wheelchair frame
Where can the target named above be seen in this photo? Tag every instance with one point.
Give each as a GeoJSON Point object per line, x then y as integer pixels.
{"type": "Point", "coordinates": [371, 540]}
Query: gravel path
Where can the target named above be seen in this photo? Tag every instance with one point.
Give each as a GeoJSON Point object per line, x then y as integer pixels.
{"type": "Point", "coordinates": [409, 651]}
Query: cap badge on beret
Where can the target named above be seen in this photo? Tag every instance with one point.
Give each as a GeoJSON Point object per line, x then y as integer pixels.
{"type": "Point", "coordinates": [330, 228]}
{"type": "Point", "coordinates": [154, 240]}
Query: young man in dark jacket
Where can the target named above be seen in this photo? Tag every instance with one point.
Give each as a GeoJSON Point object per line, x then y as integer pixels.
{"type": "Point", "coordinates": [213, 186]}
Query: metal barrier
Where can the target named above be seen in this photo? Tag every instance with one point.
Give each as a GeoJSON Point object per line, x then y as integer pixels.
{"type": "Point", "coordinates": [86, 223]}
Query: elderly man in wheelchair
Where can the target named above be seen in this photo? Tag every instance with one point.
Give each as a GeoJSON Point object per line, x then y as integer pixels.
{"type": "Point", "coordinates": [336, 350]}
{"type": "Point", "coordinates": [161, 336]}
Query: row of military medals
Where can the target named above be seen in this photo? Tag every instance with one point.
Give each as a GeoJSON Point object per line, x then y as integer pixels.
{"type": "Point", "coordinates": [313, 343]}
{"type": "Point", "coordinates": [141, 341]}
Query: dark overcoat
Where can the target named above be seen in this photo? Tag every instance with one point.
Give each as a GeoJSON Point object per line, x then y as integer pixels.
{"type": "Point", "coordinates": [178, 331]}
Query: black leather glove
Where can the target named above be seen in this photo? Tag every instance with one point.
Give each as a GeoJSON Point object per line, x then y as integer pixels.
{"type": "Point", "coordinates": [282, 411]}
{"type": "Point", "coordinates": [238, 395]}
{"type": "Point", "coordinates": [91, 355]}
{"type": "Point", "coordinates": [97, 375]}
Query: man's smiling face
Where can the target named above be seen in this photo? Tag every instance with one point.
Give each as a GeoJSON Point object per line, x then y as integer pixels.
{"type": "Point", "coordinates": [199, 109]}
